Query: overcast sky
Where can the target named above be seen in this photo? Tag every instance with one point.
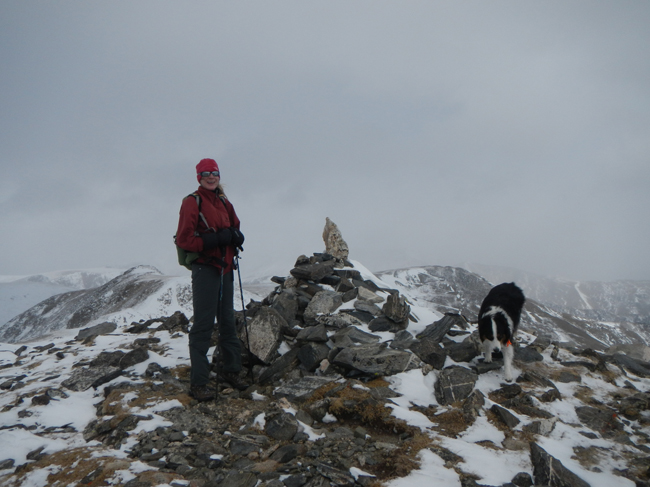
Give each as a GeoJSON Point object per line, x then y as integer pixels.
{"type": "Point", "coordinates": [431, 132]}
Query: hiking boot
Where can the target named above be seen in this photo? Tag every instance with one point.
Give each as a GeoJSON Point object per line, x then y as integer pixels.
{"type": "Point", "coordinates": [203, 393]}
{"type": "Point", "coordinates": [233, 379]}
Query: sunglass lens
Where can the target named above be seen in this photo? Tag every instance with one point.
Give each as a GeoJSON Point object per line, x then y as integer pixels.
{"type": "Point", "coordinates": [205, 174]}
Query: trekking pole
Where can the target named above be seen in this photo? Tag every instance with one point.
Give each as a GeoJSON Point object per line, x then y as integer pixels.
{"type": "Point", "coordinates": [217, 352]}
{"type": "Point", "coordinates": [243, 308]}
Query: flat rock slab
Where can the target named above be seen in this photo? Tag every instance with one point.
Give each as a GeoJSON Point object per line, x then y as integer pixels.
{"type": "Point", "coordinates": [302, 389]}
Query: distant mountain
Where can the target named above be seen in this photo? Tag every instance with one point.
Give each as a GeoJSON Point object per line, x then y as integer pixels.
{"type": "Point", "coordinates": [140, 293]}
{"type": "Point", "coordinates": [609, 313]}
{"type": "Point", "coordinates": [457, 290]}
{"type": "Point", "coordinates": [19, 293]}
{"type": "Point", "coordinates": [616, 301]}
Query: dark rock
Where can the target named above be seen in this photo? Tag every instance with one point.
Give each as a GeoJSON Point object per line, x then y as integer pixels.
{"type": "Point", "coordinates": [177, 322]}
{"type": "Point", "coordinates": [111, 359]}
{"type": "Point", "coordinates": [632, 365]}
{"type": "Point", "coordinates": [604, 421]}
{"type": "Point", "coordinates": [351, 335]}
{"type": "Point", "coordinates": [482, 367]}
{"type": "Point", "coordinates": [301, 389]}
{"type": "Point", "coordinates": [280, 367]}
{"type": "Point", "coordinates": [243, 445]}
{"type": "Point", "coordinates": [473, 405]}
{"type": "Point", "coordinates": [134, 357]}
{"type": "Point", "coordinates": [245, 479]}
{"type": "Point", "coordinates": [313, 272]}
{"type": "Point", "coordinates": [551, 395]}
{"type": "Point", "coordinates": [286, 303]}
{"type": "Point", "coordinates": [92, 476]}
{"type": "Point", "coordinates": [528, 355]}
{"type": "Point", "coordinates": [83, 379]}
{"type": "Point", "coordinates": [541, 343]}
{"type": "Point", "coordinates": [42, 400]}
{"type": "Point", "coordinates": [338, 477]}
{"type": "Point", "coordinates": [383, 323]}
{"type": "Point", "coordinates": [402, 340]}
{"type": "Point", "coordinates": [145, 342]}
{"type": "Point", "coordinates": [542, 427]}
{"type": "Point", "coordinates": [5, 464]}
{"type": "Point", "coordinates": [287, 453]}
{"type": "Point", "coordinates": [316, 333]}
{"type": "Point", "coordinates": [462, 352]}
{"type": "Point", "coordinates": [455, 383]}
{"type": "Point", "coordinates": [397, 310]}
{"type": "Point", "coordinates": [367, 307]}
{"type": "Point", "coordinates": [36, 454]}
{"type": "Point", "coordinates": [436, 331]}
{"type": "Point", "coordinates": [282, 427]}
{"type": "Point", "coordinates": [374, 359]}
{"type": "Point", "coordinates": [522, 479]}
{"type": "Point", "coordinates": [430, 352]}
{"type": "Point", "coordinates": [548, 470]}
{"type": "Point", "coordinates": [536, 379]}
{"type": "Point", "coordinates": [101, 329]}
{"type": "Point", "coordinates": [506, 416]}
{"type": "Point", "coordinates": [567, 376]}
{"type": "Point", "coordinates": [362, 316]}
{"type": "Point", "coordinates": [312, 354]}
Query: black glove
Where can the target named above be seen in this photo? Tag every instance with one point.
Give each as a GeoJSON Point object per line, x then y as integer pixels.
{"type": "Point", "coordinates": [220, 238]}
{"type": "Point", "coordinates": [237, 237]}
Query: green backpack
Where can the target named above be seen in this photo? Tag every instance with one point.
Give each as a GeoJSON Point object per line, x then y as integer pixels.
{"type": "Point", "coordinates": [185, 258]}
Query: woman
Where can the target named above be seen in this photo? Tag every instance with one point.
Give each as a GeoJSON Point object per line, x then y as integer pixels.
{"type": "Point", "coordinates": [212, 230]}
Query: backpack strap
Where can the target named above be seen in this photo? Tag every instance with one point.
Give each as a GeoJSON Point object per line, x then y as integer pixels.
{"type": "Point", "coordinates": [198, 203]}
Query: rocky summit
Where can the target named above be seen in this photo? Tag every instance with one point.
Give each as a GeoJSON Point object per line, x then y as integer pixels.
{"type": "Point", "coordinates": [352, 383]}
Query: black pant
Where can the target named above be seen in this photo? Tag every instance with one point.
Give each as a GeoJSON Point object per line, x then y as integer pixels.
{"type": "Point", "coordinates": [212, 300]}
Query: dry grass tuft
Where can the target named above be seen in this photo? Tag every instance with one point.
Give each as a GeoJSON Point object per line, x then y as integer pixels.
{"type": "Point", "coordinates": [70, 467]}
{"type": "Point", "coordinates": [450, 423]}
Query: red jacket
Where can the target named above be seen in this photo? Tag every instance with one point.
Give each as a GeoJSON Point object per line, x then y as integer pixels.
{"type": "Point", "coordinates": [219, 214]}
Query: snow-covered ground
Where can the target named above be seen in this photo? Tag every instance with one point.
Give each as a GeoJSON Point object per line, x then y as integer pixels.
{"type": "Point", "coordinates": [58, 426]}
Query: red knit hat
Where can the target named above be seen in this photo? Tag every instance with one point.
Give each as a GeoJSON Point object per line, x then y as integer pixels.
{"type": "Point", "coordinates": [205, 165]}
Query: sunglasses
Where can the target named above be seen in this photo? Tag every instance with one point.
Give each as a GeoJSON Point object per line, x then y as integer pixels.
{"type": "Point", "coordinates": [205, 174]}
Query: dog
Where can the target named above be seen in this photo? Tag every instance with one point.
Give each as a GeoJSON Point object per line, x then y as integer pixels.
{"type": "Point", "coordinates": [498, 320]}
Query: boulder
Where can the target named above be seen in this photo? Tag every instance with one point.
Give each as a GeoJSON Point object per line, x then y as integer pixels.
{"type": "Point", "coordinates": [454, 383]}
{"type": "Point", "coordinates": [101, 329]}
{"type": "Point", "coordinates": [83, 379]}
{"type": "Point", "coordinates": [373, 359]}
{"type": "Point", "coordinates": [282, 427]}
{"type": "Point", "coordinates": [265, 334]}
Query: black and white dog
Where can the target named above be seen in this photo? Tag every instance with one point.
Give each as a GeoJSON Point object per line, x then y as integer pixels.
{"type": "Point", "coordinates": [498, 320]}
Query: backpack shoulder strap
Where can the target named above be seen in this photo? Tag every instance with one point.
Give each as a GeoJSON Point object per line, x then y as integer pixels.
{"type": "Point", "coordinates": [198, 203]}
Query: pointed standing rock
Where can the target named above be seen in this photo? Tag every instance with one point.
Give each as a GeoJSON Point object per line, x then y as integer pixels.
{"type": "Point", "coordinates": [334, 243]}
